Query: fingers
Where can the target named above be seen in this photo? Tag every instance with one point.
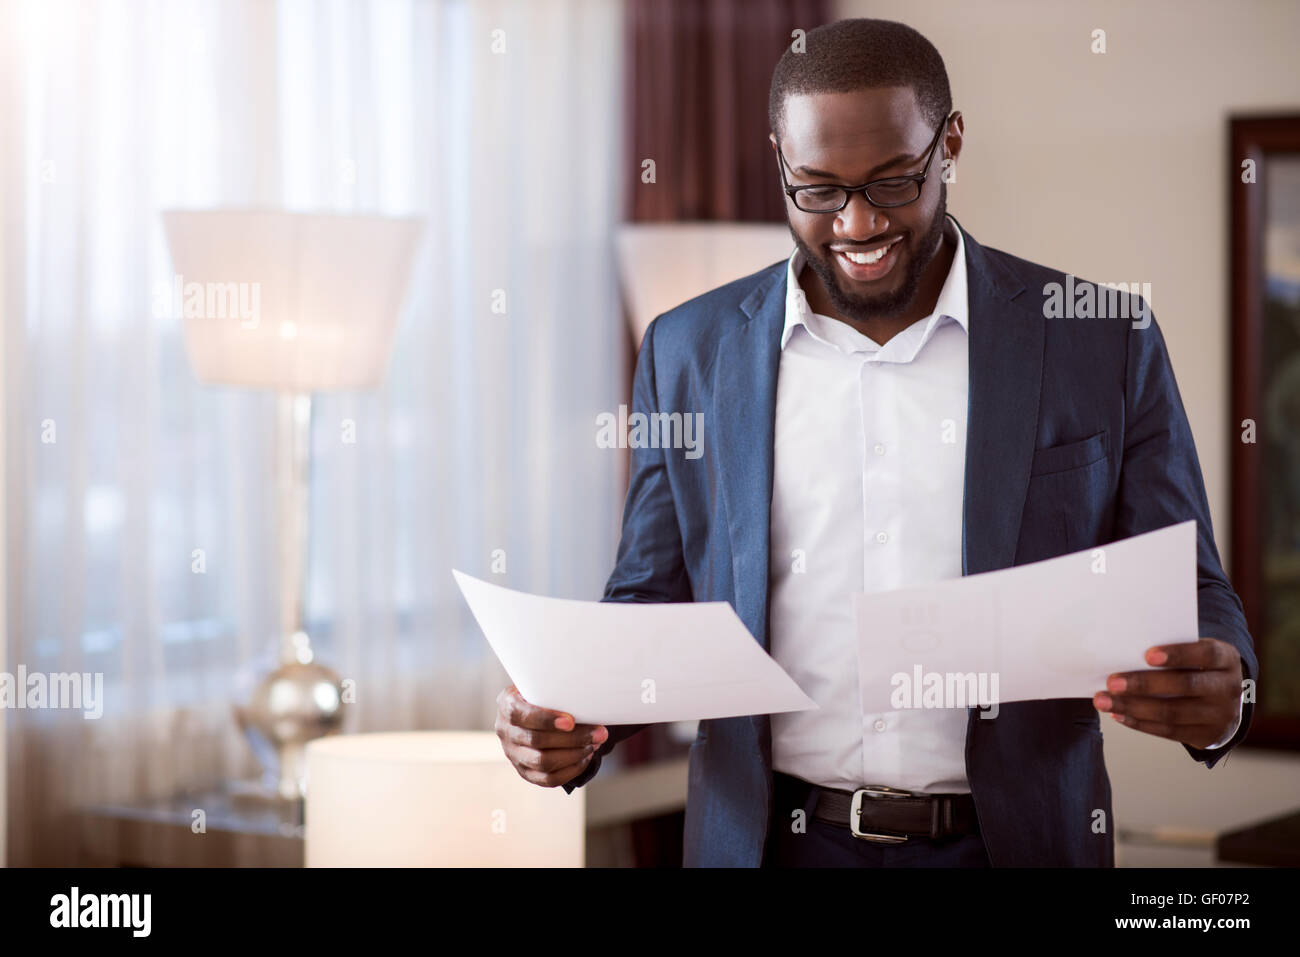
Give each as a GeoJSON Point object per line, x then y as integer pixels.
{"type": "Point", "coordinates": [552, 779]}
{"type": "Point", "coordinates": [552, 759]}
{"type": "Point", "coordinates": [1198, 720]}
{"type": "Point", "coordinates": [524, 714]}
{"type": "Point", "coordinates": [1209, 653]}
{"type": "Point", "coordinates": [528, 724]}
{"type": "Point", "coordinates": [1172, 712]}
{"type": "Point", "coordinates": [546, 747]}
{"type": "Point", "coordinates": [1192, 699]}
{"type": "Point", "coordinates": [1183, 683]}
{"type": "Point", "coordinates": [581, 736]}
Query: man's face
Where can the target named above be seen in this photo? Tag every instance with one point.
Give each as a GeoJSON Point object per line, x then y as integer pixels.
{"type": "Point", "coordinates": [848, 139]}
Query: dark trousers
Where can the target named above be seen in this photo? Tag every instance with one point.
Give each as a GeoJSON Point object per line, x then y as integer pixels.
{"type": "Point", "coordinates": [818, 844]}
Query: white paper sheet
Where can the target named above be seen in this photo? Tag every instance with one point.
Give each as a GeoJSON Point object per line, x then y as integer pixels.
{"type": "Point", "coordinates": [621, 663]}
{"type": "Point", "coordinates": [1053, 629]}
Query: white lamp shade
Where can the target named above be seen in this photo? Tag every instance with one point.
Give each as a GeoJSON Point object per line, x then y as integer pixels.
{"type": "Point", "coordinates": [433, 799]}
{"type": "Point", "coordinates": [662, 265]}
{"type": "Point", "coordinates": [293, 301]}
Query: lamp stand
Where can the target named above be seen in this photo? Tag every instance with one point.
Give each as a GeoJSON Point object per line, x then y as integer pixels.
{"type": "Point", "coordinates": [300, 700]}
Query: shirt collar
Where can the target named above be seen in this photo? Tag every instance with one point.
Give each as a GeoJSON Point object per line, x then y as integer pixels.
{"type": "Point", "coordinates": [952, 302]}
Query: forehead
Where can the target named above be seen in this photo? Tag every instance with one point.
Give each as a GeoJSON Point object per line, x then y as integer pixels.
{"type": "Point", "coordinates": [852, 131]}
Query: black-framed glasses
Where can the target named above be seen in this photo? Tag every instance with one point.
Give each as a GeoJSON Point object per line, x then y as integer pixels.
{"type": "Point", "coordinates": [886, 193]}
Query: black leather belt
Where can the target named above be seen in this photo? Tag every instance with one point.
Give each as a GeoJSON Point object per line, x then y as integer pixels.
{"type": "Point", "coordinates": [890, 816]}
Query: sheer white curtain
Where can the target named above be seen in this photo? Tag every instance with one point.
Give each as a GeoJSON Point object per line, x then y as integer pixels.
{"type": "Point", "coordinates": [495, 121]}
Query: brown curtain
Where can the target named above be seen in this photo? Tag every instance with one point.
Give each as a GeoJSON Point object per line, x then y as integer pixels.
{"type": "Point", "coordinates": [698, 73]}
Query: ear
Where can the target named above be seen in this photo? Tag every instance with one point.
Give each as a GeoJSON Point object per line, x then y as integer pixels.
{"type": "Point", "coordinates": [952, 139]}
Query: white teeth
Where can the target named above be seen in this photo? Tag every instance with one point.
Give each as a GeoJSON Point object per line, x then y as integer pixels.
{"type": "Point", "coordinates": [866, 259]}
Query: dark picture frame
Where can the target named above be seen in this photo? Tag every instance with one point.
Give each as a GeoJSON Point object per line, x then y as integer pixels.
{"type": "Point", "coordinates": [1264, 444]}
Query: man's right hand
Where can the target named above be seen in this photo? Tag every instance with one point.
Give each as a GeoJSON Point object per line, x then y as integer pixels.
{"type": "Point", "coordinates": [546, 747]}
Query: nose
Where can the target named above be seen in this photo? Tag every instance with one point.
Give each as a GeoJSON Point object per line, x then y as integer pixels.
{"type": "Point", "coordinates": [859, 220]}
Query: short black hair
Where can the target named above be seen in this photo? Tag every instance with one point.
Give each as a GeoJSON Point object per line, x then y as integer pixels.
{"type": "Point", "coordinates": [861, 54]}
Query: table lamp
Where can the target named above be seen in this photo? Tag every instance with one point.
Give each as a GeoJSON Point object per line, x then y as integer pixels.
{"type": "Point", "coordinates": [295, 303]}
{"type": "Point", "coordinates": [433, 799]}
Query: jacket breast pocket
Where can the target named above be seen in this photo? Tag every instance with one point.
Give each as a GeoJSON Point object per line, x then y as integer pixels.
{"type": "Point", "coordinates": [1072, 455]}
{"type": "Point", "coordinates": [1067, 507]}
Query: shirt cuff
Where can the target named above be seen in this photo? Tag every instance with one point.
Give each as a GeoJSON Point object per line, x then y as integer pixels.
{"type": "Point", "coordinates": [1235, 728]}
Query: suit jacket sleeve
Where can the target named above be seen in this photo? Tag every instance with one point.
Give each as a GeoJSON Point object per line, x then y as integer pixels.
{"type": "Point", "coordinates": [650, 566]}
{"type": "Point", "coordinates": [1160, 484]}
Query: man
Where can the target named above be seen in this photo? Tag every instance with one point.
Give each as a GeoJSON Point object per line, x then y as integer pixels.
{"type": "Point", "coordinates": [897, 405]}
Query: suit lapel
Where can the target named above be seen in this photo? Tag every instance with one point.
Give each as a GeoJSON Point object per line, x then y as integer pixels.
{"type": "Point", "coordinates": [1005, 349]}
{"type": "Point", "coordinates": [744, 414]}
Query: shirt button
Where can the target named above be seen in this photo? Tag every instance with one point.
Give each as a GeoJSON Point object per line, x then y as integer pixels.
{"type": "Point", "coordinates": [879, 725]}
{"type": "Point", "coordinates": [879, 449]}
{"type": "Point", "coordinates": [881, 537]}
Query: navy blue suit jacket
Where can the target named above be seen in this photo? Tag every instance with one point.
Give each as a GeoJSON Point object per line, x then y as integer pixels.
{"type": "Point", "coordinates": [1076, 437]}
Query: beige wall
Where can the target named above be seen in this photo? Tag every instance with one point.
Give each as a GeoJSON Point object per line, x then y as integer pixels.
{"type": "Point", "coordinates": [1114, 167]}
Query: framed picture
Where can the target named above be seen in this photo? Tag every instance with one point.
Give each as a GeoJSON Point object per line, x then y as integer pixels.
{"type": "Point", "coordinates": [1265, 453]}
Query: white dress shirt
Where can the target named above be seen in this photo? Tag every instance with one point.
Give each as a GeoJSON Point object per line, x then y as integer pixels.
{"type": "Point", "coordinates": [870, 452]}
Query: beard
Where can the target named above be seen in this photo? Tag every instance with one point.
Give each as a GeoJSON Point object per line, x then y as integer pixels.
{"type": "Point", "coordinates": [885, 305]}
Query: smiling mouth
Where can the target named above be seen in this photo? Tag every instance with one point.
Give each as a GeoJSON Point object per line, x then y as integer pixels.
{"type": "Point", "coordinates": [869, 265]}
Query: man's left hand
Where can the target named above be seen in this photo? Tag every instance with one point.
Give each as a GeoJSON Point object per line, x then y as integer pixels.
{"type": "Point", "coordinates": [1194, 701]}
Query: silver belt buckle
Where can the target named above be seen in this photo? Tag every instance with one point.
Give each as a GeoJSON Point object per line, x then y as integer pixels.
{"type": "Point", "coordinates": [876, 792]}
